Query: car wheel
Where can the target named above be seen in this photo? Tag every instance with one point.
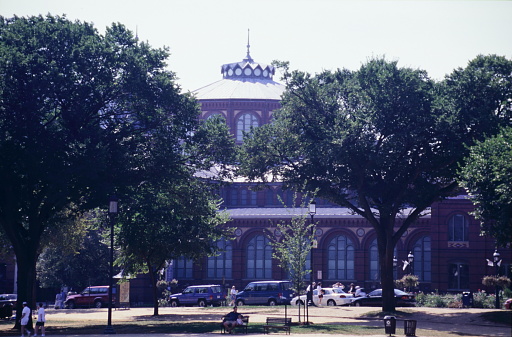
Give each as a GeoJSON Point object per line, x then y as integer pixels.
{"type": "Point", "coordinates": [331, 303]}
{"type": "Point", "coordinates": [240, 303]}
{"type": "Point", "coordinates": [299, 302]}
{"type": "Point", "coordinates": [70, 305]}
{"type": "Point", "coordinates": [272, 303]}
{"type": "Point", "coordinates": [357, 304]}
{"type": "Point", "coordinates": [201, 303]}
{"type": "Point", "coordinates": [98, 304]}
{"type": "Point", "coordinates": [174, 304]}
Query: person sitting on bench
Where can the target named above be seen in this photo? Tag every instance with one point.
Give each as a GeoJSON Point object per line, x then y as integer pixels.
{"type": "Point", "coordinates": [231, 319]}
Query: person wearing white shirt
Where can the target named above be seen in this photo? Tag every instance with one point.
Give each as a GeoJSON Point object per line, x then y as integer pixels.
{"type": "Point", "coordinates": [25, 315]}
{"type": "Point", "coordinates": [41, 318]}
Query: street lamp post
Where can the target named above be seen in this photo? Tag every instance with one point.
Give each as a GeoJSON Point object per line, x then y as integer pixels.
{"type": "Point", "coordinates": [112, 211]}
{"type": "Point", "coordinates": [496, 260]}
{"type": "Point", "coordinates": [309, 296]}
{"type": "Point", "coordinates": [410, 259]}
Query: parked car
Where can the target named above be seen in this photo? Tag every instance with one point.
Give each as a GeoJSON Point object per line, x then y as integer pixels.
{"type": "Point", "coordinates": [7, 304]}
{"type": "Point", "coordinates": [508, 304]}
{"type": "Point", "coordinates": [374, 299]}
{"type": "Point", "coordinates": [266, 292]}
{"type": "Point", "coordinates": [90, 297]}
{"type": "Point", "coordinates": [332, 297]}
{"type": "Point", "coordinates": [201, 295]}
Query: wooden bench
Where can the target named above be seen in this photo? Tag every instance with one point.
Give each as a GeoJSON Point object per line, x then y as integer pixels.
{"type": "Point", "coordinates": [245, 320]}
{"type": "Point", "coordinates": [278, 323]}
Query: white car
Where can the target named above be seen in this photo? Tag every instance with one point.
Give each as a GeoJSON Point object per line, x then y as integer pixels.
{"type": "Point", "coordinates": [332, 297]}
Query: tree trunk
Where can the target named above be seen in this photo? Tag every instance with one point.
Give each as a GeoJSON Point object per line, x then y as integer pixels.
{"type": "Point", "coordinates": [26, 279]}
{"type": "Point", "coordinates": [386, 247]}
{"type": "Point", "coordinates": [152, 276]}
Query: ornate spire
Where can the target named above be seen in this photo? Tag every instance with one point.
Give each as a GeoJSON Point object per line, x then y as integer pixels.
{"type": "Point", "coordinates": [248, 58]}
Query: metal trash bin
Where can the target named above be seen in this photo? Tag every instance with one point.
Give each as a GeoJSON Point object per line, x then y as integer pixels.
{"type": "Point", "coordinates": [467, 299]}
{"type": "Point", "coordinates": [390, 325]}
{"type": "Point", "coordinates": [410, 327]}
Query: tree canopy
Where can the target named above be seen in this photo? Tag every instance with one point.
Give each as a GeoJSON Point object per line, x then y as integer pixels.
{"type": "Point", "coordinates": [487, 177]}
{"type": "Point", "coordinates": [382, 141]}
{"type": "Point", "coordinates": [84, 116]}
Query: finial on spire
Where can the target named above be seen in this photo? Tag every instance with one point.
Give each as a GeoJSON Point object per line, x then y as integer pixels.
{"type": "Point", "coordinates": [136, 34]}
{"type": "Point", "coordinates": [248, 58]}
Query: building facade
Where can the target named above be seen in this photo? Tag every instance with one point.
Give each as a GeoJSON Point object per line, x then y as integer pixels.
{"type": "Point", "coordinates": [449, 253]}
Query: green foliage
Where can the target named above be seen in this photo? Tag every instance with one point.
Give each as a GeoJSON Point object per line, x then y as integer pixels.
{"type": "Point", "coordinates": [493, 281]}
{"type": "Point", "coordinates": [84, 116]}
{"type": "Point", "coordinates": [486, 176]}
{"type": "Point", "coordinates": [293, 245]}
{"type": "Point", "coordinates": [379, 139]}
{"type": "Point", "coordinates": [408, 281]}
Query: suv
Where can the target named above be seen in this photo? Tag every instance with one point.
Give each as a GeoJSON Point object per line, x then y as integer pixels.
{"type": "Point", "coordinates": [202, 295]}
{"type": "Point", "coordinates": [96, 296]}
{"type": "Point", "coordinates": [266, 292]}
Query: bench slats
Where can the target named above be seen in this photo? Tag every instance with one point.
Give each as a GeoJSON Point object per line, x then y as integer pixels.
{"type": "Point", "coordinates": [277, 323]}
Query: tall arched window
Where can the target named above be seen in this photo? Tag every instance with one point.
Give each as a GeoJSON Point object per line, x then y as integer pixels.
{"type": "Point", "coordinates": [423, 259]}
{"type": "Point", "coordinates": [458, 228]}
{"type": "Point", "coordinates": [259, 258]}
{"type": "Point", "coordinates": [234, 196]}
{"type": "Point", "coordinates": [244, 124]}
{"type": "Point", "coordinates": [340, 265]}
{"type": "Point", "coordinates": [253, 197]}
{"type": "Point", "coordinates": [221, 266]}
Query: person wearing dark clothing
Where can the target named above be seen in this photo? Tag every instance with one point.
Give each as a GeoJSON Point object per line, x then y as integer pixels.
{"type": "Point", "coordinates": [231, 320]}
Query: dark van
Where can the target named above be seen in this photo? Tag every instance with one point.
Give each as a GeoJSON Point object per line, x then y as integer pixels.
{"type": "Point", "coordinates": [266, 292]}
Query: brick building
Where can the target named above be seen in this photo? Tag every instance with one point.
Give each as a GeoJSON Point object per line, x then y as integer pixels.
{"type": "Point", "coordinates": [449, 253]}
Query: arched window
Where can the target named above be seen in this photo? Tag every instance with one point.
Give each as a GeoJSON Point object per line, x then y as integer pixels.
{"type": "Point", "coordinates": [259, 258]}
{"type": "Point", "coordinates": [458, 228]}
{"type": "Point", "coordinates": [183, 268]}
{"type": "Point", "coordinates": [244, 124]}
{"type": "Point", "coordinates": [221, 266]}
{"type": "Point", "coordinates": [423, 259]}
{"type": "Point", "coordinates": [340, 265]}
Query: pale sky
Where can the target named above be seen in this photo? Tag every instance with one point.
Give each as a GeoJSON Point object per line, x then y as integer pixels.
{"type": "Point", "coordinates": [313, 35]}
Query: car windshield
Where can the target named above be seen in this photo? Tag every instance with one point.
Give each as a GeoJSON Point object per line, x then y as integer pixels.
{"type": "Point", "coordinates": [338, 291]}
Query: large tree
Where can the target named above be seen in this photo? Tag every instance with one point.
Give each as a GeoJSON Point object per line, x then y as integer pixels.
{"type": "Point", "coordinates": [487, 176]}
{"type": "Point", "coordinates": [174, 213]}
{"type": "Point", "coordinates": [78, 112]}
{"type": "Point", "coordinates": [382, 141]}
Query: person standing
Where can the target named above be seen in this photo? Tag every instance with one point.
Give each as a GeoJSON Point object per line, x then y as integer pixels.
{"type": "Point", "coordinates": [25, 316]}
{"type": "Point", "coordinates": [320, 293]}
{"type": "Point", "coordinates": [41, 318]}
{"type": "Point", "coordinates": [232, 296]}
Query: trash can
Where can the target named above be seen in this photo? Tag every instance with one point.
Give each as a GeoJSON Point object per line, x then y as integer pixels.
{"type": "Point", "coordinates": [410, 327]}
{"type": "Point", "coordinates": [467, 299]}
{"type": "Point", "coordinates": [390, 325]}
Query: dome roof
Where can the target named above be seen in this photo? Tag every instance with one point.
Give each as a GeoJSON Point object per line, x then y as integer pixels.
{"type": "Point", "coordinates": [243, 80]}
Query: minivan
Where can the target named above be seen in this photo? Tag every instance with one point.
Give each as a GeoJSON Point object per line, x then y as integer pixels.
{"type": "Point", "coordinates": [266, 292]}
